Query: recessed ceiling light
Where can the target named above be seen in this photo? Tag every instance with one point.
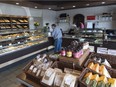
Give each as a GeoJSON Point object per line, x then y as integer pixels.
{"type": "Point", "coordinates": [49, 8]}
{"type": "Point", "coordinates": [17, 3]}
{"type": "Point", "coordinates": [74, 6]}
{"type": "Point", "coordinates": [62, 7]}
{"type": "Point", "coordinates": [103, 2]}
{"type": "Point", "coordinates": [87, 4]}
{"type": "Point", "coordinates": [35, 6]}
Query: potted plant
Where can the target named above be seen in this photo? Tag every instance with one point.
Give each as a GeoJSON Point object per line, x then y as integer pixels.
{"type": "Point", "coordinates": [36, 24]}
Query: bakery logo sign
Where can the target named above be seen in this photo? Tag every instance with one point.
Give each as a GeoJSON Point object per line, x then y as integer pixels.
{"type": "Point", "coordinates": [91, 18]}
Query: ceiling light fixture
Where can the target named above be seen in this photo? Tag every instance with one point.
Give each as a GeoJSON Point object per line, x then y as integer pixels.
{"type": "Point", "coordinates": [103, 2]}
{"type": "Point", "coordinates": [87, 4]}
{"type": "Point", "coordinates": [74, 6]}
{"type": "Point", "coordinates": [49, 8]}
{"type": "Point", "coordinates": [62, 7]}
{"type": "Point", "coordinates": [35, 6]}
{"type": "Point", "coordinates": [17, 3]}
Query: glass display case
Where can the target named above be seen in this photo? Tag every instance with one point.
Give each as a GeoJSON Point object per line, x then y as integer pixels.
{"type": "Point", "coordinates": [93, 36]}
{"type": "Point", "coordinates": [11, 41]}
{"type": "Point", "coordinates": [110, 35]}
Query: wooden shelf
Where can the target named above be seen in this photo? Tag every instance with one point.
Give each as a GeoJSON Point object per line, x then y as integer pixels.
{"type": "Point", "coordinates": [14, 20]}
{"type": "Point", "coordinates": [74, 60]}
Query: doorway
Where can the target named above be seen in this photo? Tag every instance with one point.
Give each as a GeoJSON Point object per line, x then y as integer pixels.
{"type": "Point", "coordinates": [78, 19]}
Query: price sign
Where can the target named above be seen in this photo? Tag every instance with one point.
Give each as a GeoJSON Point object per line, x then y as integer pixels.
{"type": "Point", "coordinates": [92, 48]}
{"type": "Point", "coordinates": [1, 46]}
{"type": "Point", "coordinates": [10, 44]}
{"type": "Point", "coordinates": [112, 52]}
{"type": "Point", "coordinates": [19, 42]}
{"type": "Point", "coordinates": [102, 50]}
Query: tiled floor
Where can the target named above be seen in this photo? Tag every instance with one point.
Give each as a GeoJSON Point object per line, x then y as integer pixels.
{"type": "Point", "coordinates": [8, 77]}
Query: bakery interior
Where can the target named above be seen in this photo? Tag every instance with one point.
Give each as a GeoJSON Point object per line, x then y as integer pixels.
{"type": "Point", "coordinates": [88, 54]}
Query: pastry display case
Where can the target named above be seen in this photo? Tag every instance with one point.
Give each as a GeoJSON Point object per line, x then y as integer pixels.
{"type": "Point", "coordinates": [15, 44]}
{"type": "Point", "coordinates": [14, 41]}
{"type": "Point", "coordinates": [93, 36]}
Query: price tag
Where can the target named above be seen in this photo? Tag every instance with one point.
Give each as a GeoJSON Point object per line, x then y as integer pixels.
{"type": "Point", "coordinates": [19, 42]}
{"type": "Point", "coordinates": [10, 44]}
{"type": "Point", "coordinates": [92, 48]}
{"type": "Point", "coordinates": [102, 50]}
{"type": "Point", "coordinates": [112, 52]}
{"type": "Point", "coordinates": [9, 37]}
{"type": "Point", "coordinates": [1, 46]}
{"type": "Point", "coordinates": [17, 36]}
{"type": "Point", "coordinates": [31, 67]}
{"type": "Point", "coordinates": [34, 70]}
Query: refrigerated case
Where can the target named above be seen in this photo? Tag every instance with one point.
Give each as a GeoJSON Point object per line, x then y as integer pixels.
{"type": "Point", "coordinates": [14, 44]}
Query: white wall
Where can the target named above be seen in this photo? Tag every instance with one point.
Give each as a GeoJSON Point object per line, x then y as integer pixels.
{"type": "Point", "coordinates": [44, 16]}
{"type": "Point", "coordinates": [92, 11]}
{"type": "Point", "coordinates": [49, 16]}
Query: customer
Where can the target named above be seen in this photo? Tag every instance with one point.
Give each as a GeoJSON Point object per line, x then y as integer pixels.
{"type": "Point", "coordinates": [57, 35]}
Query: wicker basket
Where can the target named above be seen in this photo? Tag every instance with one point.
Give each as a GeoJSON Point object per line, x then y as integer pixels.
{"type": "Point", "coordinates": [111, 59]}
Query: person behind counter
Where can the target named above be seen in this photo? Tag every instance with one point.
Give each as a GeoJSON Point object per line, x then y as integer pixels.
{"type": "Point", "coordinates": [57, 35]}
{"type": "Point", "coordinates": [46, 28]}
{"type": "Point", "coordinates": [72, 30]}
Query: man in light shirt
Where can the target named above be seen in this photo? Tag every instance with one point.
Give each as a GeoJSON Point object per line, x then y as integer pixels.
{"type": "Point", "coordinates": [57, 35]}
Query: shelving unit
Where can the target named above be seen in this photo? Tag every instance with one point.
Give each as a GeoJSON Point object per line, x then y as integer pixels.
{"type": "Point", "coordinates": [13, 22]}
{"type": "Point", "coordinates": [104, 18]}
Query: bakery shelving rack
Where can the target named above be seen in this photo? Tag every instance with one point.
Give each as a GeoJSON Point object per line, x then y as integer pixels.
{"type": "Point", "coordinates": [11, 22]}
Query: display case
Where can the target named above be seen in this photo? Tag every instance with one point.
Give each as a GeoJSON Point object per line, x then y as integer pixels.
{"type": "Point", "coordinates": [110, 34]}
{"type": "Point", "coordinates": [18, 45]}
{"type": "Point", "coordinates": [16, 40]}
{"type": "Point", "coordinates": [93, 36]}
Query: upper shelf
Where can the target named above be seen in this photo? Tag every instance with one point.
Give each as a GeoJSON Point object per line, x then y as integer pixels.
{"type": "Point", "coordinates": [13, 22]}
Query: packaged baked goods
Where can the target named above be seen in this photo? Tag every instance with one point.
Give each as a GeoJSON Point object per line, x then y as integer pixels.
{"type": "Point", "coordinates": [58, 79]}
{"type": "Point", "coordinates": [69, 81]}
{"type": "Point", "coordinates": [49, 76]}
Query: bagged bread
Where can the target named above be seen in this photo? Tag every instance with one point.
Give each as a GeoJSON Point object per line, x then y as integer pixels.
{"type": "Point", "coordinates": [69, 81]}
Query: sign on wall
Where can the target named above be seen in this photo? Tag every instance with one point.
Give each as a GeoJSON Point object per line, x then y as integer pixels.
{"type": "Point", "coordinates": [91, 18]}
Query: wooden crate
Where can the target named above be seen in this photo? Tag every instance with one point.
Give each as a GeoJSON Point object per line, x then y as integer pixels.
{"type": "Point", "coordinates": [110, 58]}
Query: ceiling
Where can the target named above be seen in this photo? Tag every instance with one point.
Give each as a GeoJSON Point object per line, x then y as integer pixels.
{"type": "Point", "coordinates": [60, 4]}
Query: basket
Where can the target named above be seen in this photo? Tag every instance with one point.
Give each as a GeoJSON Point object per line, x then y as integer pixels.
{"type": "Point", "coordinates": [111, 71]}
{"type": "Point", "coordinates": [111, 59]}
{"type": "Point", "coordinates": [30, 74]}
{"type": "Point", "coordinates": [61, 65]}
{"type": "Point", "coordinates": [86, 70]}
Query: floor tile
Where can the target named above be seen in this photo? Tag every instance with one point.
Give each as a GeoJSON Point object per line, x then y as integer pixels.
{"type": "Point", "coordinates": [5, 83]}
